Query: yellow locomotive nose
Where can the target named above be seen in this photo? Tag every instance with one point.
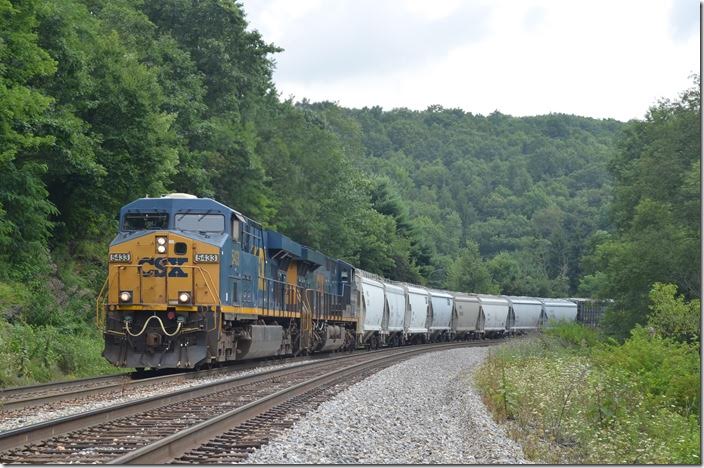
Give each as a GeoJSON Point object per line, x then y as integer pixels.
{"type": "Point", "coordinates": [163, 271]}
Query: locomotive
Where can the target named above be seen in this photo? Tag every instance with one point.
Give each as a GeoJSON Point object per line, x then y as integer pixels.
{"type": "Point", "coordinates": [192, 282]}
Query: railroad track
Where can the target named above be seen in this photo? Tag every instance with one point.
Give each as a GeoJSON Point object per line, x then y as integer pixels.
{"type": "Point", "coordinates": [17, 398]}
{"type": "Point", "coordinates": [21, 397]}
{"type": "Point", "coordinates": [168, 427]}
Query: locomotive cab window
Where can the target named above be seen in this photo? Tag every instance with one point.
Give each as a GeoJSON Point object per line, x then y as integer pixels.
{"type": "Point", "coordinates": [235, 229]}
{"type": "Point", "coordinates": [202, 222]}
{"type": "Point", "coordinates": [145, 221]}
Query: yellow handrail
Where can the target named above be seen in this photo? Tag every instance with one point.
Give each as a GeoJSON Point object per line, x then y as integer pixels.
{"type": "Point", "coordinates": [208, 279]}
{"type": "Point", "coordinates": [100, 302]}
{"type": "Point", "coordinates": [209, 284]}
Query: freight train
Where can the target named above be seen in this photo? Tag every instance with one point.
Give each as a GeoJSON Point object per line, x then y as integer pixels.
{"type": "Point", "coordinates": [192, 282]}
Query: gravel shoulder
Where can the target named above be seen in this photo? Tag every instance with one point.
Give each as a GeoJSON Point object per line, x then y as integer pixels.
{"type": "Point", "coordinates": [424, 410]}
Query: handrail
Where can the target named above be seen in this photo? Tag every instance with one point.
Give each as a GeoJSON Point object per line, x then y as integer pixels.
{"type": "Point", "coordinates": [100, 301]}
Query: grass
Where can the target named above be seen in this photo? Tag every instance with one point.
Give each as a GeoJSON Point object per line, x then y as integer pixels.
{"type": "Point", "coordinates": [32, 354]}
{"type": "Point", "coordinates": [570, 396]}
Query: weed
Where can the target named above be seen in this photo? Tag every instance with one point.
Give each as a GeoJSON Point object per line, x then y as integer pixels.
{"type": "Point", "coordinates": [570, 396]}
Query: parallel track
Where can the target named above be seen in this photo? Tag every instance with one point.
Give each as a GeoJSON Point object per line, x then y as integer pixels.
{"type": "Point", "coordinates": [21, 397]}
{"type": "Point", "coordinates": [166, 427]}
{"type": "Point", "coordinates": [16, 398]}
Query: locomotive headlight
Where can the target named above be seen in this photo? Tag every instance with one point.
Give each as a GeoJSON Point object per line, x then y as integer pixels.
{"type": "Point", "coordinates": [161, 242]}
{"type": "Point", "coordinates": [184, 297]}
{"type": "Point", "coordinates": [125, 296]}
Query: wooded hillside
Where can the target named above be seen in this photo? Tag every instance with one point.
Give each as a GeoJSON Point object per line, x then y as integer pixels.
{"type": "Point", "coordinates": [102, 102]}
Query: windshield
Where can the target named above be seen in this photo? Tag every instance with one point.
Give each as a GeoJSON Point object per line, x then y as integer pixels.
{"type": "Point", "coordinates": [145, 221]}
{"type": "Point", "coordinates": [200, 222]}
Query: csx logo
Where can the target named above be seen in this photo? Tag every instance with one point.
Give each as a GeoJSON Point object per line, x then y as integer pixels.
{"type": "Point", "coordinates": [160, 267]}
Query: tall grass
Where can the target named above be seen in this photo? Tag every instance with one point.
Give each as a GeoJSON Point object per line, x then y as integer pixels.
{"type": "Point", "coordinates": [31, 354]}
{"type": "Point", "coordinates": [569, 396]}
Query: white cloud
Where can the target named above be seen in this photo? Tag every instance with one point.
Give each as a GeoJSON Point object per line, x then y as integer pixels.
{"type": "Point", "coordinates": [598, 58]}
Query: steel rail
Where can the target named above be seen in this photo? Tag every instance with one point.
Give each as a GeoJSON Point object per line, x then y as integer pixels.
{"type": "Point", "coordinates": [9, 396]}
{"type": "Point", "coordinates": [11, 391]}
{"type": "Point", "coordinates": [44, 430]}
{"type": "Point", "coordinates": [123, 383]}
{"type": "Point", "coordinates": [176, 445]}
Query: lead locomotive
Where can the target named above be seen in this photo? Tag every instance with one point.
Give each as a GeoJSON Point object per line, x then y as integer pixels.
{"type": "Point", "coordinates": [193, 282]}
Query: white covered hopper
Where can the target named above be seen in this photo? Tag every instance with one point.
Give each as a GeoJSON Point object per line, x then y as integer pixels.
{"type": "Point", "coordinates": [559, 310]}
{"type": "Point", "coordinates": [468, 316]}
{"type": "Point", "coordinates": [441, 310]}
{"type": "Point", "coordinates": [372, 307]}
{"type": "Point", "coordinates": [496, 313]}
{"type": "Point", "coordinates": [396, 302]}
{"type": "Point", "coordinates": [416, 310]}
{"type": "Point", "coordinates": [527, 312]}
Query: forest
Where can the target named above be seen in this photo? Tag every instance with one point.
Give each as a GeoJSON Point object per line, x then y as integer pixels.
{"type": "Point", "coordinates": [103, 102]}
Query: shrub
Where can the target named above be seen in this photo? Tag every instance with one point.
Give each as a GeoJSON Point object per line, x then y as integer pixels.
{"type": "Point", "coordinates": [43, 353]}
{"type": "Point", "coordinates": [569, 397]}
{"type": "Point", "coordinates": [665, 370]}
{"type": "Point", "coordinates": [672, 316]}
{"type": "Point", "coordinates": [574, 334]}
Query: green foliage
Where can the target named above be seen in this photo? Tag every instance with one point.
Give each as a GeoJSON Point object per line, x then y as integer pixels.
{"type": "Point", "coordinates": [41, 354]}
{"type": "Point", "coordinates": [573, 335]}
{"type": "Point", "coordinates": [570, 397]}
{"type": "Point", "coordinates": [523, 191]}
{"type": "Point", "coordinates": [103, 101]}
{"type": "Point", "coordinates": [469, 273]}
{"type": "Point", "coordinates": [671, 315]}
{"type": "Point", "coordinates": [655, 210]}
{"type": "Point", "coordinates": [667, 371]}
{"type": "Point", "coordinates": [24, 206]}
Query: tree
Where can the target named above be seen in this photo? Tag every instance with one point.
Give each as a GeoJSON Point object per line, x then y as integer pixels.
{"type": "Point", "coordinates": [655, 209]}
{"type": "Point", "coordinates": [469, 273]}
{"type": "Point", "coordinates": [671, 315]}
{"type": "Point", "coordinates": [24, 205]}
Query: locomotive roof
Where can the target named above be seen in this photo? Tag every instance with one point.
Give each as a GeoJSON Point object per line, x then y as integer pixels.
{"type": "Point", "coordinates": [170, 204]}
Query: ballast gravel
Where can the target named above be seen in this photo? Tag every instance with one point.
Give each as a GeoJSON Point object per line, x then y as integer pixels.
{"type": "Point", "coordinates": [424, 410]}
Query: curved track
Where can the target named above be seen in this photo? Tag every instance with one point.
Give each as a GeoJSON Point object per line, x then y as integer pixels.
{"type": "Point", "coordinates": [158, 429]}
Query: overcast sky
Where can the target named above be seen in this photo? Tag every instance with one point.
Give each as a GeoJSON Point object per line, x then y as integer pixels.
{"type": "Point", "coordinates": [595, 58]}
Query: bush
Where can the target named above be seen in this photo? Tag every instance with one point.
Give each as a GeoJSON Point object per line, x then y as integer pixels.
{"type": "Point", "coordinates": [672, 316]}
{"type": "Point", "coordinates": [574, 334]}
{"type": "Point", "coordinates": [665, 370]}
{"type": "Point", "coordinates": [570, 397]}
{"type": "Point", "coordinates": [44, 353]}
